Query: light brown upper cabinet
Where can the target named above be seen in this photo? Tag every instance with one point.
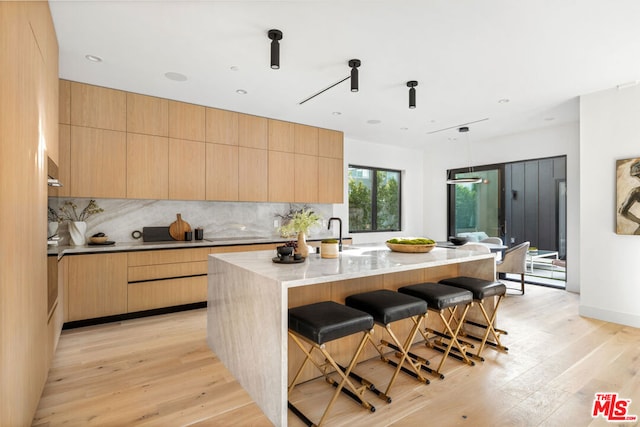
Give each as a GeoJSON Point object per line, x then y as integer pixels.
{"type": "Point", "coordinates": [147, 115]}
{"type": "Point", "coordinates": [64, 102]}
{"type": "Point", "coordinates": [147, 167]}
{"type": "Point", "coordinates": [98, 107]}
{"type": "Point", "coordinates": [186, 121]}
{"type": "Point", "coordinates": [186, 170]}
{"type": "Point", "coordinates": [281, 176]}
{"type": "Point", "coordinates": [252, 131]}
{"type": "Point", "coordinates": [221, 172]}
{"type": "Point", "coordinates": [222, 126]}
{"type": "Point", "coordinates": [305, 179]}
{"type": "Point", "coordinates": [330, 180]}
{"type": "Point", "coordinates": [330, 143]}
{"type": "Point", "coordinates": [306, 139]}
{"type": "Point", "coordinates": [281, 136]}
{"type": "Point", "coordinates": [64, 160]}
{"type": "Point", "coordinates": [99, 159]}
{"type": "Point", "coordinates": [252, 175]}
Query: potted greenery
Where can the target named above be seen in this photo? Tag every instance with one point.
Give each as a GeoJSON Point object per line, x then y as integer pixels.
{"type": "Point", "coordinates": [300, 223]}
{"type": "Point", "coordinates": [77, 221]}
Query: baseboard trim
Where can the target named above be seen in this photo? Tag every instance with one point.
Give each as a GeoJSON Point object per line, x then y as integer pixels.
{"type": "Point", "coordinates": [627, 319]}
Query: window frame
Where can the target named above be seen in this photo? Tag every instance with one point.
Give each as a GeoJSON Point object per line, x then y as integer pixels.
{"type": "Point", "coordinates": [374, 197]}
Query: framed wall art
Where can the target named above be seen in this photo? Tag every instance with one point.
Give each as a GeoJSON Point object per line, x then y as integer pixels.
{"type": "Point", "coordinates": [628, 196]}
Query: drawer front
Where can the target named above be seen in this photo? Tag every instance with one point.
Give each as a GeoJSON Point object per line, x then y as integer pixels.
{"type": "Point", "coordinates": [168, 256]}
{"type": "Point", "coordinates": [161, 271]}
{"type": "Point", "coordinates": [166, 293]}
{"type": "Point", "coordinates": [244, 248]}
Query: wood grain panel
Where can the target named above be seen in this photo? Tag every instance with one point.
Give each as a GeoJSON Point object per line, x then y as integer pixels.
{"type": "Point", "coordinates": [147, 115]}
{"type": "Point", "coordinates": [281, 136]}
{"type": "Point", "coordinates": [64, 102]}
{"type": "Point", "coordinates": [166, 293]}
{"type": "Point", "coordinates": [221, 171]}
{"type": "Point", "coordinates": [330, 180]}
{"type": "Point", "coordinates": [186, 170]}
{"type": "Point", "coordinates": [244, 248]}
{"type": "Point", "coordinates": [330, 143]}
{"type": "Point", "coordinates": [98, 107]}
{"type": "Point", "coordinates": [147, 167]}
{"type": "Point", "coordinates": [162, 271]}
{"type": "Point", "coordinates": [306, 139]}
{"type": "Point", "coordinates": [97, 285]}
{"type": "Point", "coordinates": [253, 177]}
{"type": "Point", "coordinates": [306, 179]}
{"type": "Point", "coordinates": [186, 121]}
{"type": "Point", "coordinates": [98, 163]}
{"type": "Point", "coordinates": [281, 176]}
{"type": "Point", "coordinates": [64, 160]}
{"type": "Point", "coordinates": [221, 126]}
{"type": "Point", "coordinates": [252, 131]}
{"type": "Point", "coordinates": [169, 256]}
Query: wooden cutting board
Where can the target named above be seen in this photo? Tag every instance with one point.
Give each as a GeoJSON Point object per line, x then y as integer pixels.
{"type": "Point", "coordinates": [178, 228]}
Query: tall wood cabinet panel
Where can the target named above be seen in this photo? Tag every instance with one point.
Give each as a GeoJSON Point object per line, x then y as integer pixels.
{"type": "Point", "coordinates": [330, 180]}
{"type": "Point", "coordinates": [330, 143]}
{"type": "Point", "coordinates": [147, 167]}
{"type": "Point", "coordinates": [281, 136]}
{"type": "Point", "coordinates": [186, 170]}
{"type": "Point", "coordinates": [64, 160]}
{"type": "Point", "coordinates": [186, 121]}
{"type": "Point", "coordinates": [222, 169]}
{"type": "Point", "coordinates": [98, 107]}
{"type": "Point", "coordinates": [306, 139]}
{"type": "Point", "coordinates": [147, 115]}
{"type": "Point", "coordinates": [98, 159]}
{"type": "Point", "coordinates": [305, 179]}
{"type": "Point", "coordinates": [252, 131]}
{"type": "Point", "coordinates": [252, 175]}
{"type": "Point", "coordinates": [97, 285]}
{"type": "Point", "coordinates": [221, 126]}
{"type": "Point", "coordinates": [64, 102]}
{"type": "Point", "coordinates": [281, 176]}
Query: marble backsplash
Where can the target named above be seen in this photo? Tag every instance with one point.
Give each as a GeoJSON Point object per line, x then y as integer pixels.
{"type": "Point", "coordinates": [218, 219]}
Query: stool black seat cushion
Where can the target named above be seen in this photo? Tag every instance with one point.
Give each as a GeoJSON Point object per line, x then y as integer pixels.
{"type": "Point", "coordinates": [481, 288]}
{"type": "Point", "coordinates": [437, 295]}
{"type": "Point", "coordinates": [326, 321]}
{"type": "Point", "coordinates": [387, 306]}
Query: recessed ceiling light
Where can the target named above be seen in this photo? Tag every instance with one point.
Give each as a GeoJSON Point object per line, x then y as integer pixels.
{"type": "Point", "coordinates": [337, 113]}
{"type": "Point", "coordinates": [241, 91]}
{"type": "Point", "coordinates": [234, 68]}
{"type": "Point", "coordinates": [503, 101]}
{"type": "Point", "coordinates": [373, 121]}
{"type": "Point", "coordinates": [175, 76]}
{"type": "Point", "coordinates": [404, 128]}
{"type": "Point", "coordinates": [93, 58]}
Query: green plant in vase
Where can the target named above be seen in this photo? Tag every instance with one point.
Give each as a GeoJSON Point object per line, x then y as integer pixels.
{"type": "Point", "coordinates": [300, 223]}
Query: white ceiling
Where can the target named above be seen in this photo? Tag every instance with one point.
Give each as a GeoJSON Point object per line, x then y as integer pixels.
{"type": "Point", "coordinates": [466, 55]}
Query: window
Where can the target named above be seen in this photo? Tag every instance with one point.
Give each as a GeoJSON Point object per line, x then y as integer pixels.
{"type": "Point", "coordinates": [374, 199]}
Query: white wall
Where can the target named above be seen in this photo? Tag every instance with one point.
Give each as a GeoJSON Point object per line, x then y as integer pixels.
{"type": "Point", "coordinates": [387, 156]}
{"type": "Point", "coordinates": [547, 142]}
{"type": "Point", "coordinates": [610, 271]}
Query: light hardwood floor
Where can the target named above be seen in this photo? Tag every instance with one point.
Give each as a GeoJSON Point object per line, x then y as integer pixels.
{"type": "Point", "coordinates": [159, 371]}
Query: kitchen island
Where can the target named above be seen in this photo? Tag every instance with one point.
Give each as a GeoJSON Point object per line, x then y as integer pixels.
{"type": "Point", "coordinates": [248, 298]}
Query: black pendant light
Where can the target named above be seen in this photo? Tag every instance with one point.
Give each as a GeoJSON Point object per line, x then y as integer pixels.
{"type": "Point", "coordinates": [354, 64]}
{"type": "Point", "coordinates": [275, 36]}
{"type": "Point", "coordinates": [468, 180]}
{"type": "Point", "coordinates": [412, 93]}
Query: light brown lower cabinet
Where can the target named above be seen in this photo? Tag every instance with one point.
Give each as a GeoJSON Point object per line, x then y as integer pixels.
{"type": "Point", "coordinates": [97, 285]}
{"type": "Point", "coordinates": [166, 293]}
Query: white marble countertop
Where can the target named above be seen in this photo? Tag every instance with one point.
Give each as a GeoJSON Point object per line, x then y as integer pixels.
{"type": "Point", "coordinates": [354, 262]}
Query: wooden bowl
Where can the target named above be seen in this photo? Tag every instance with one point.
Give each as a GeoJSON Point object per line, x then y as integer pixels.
{"type": "Point", "coordinates": [98, 239]}
{"type": "Point", "coordinates": [398, 247]}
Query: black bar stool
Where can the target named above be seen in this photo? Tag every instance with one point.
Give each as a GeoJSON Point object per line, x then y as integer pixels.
{"type": "Point", "coordinates": [387, 307]}
{"type": "Point", "coordinates": [444, 300]}
{"type": "Point", "coordinates": [483, 289]}
{"type": "Point", "coordinates": [318, 323]}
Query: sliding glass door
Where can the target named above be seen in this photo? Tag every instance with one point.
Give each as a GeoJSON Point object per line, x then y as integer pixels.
{"type": "Point", "coordinates": [477, 207]}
